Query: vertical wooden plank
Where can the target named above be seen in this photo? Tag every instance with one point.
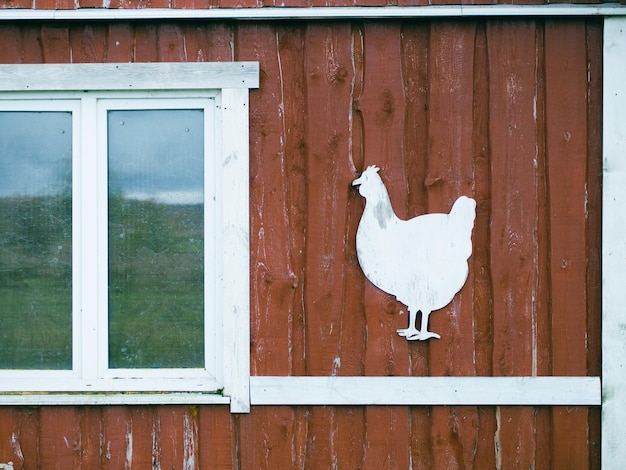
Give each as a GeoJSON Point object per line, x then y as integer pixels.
{"type": "Point", "coordinates": [54, 4]}
{"type": "Point", "coordinates": [176, 438]}
{"type": "Point", "coordinates": [481, 259]}
{"type": "Point", "coordinates": [351, 347]}
{"type": "Point", "coordinates": [88, 43]}
{"type": "Point", "coordinates": [32, 49]}
{"type": "Point", "coordinates": [59, 437]}
{"type": "Point", "coordinates": [594, 224]}
{"type": "Point", "coordinates": [383, 111]}
{"type": "Point", "coordinates": [329, 174]}
{"type": "Point", "coordinates": [90, 3]}
{"type": "Point", "coordinates": [91, 432]}
{"type": "Point", "coordinates": [10, 449]}
{"type": "Point", "coordinates": [171, 43]}
{"type": "Point", "coordinates": [290, 57]}
{"type": "Point", "coordinates": [239, 3]}
{"type": "Point", "coordinates": [415, 40]}
{"type": "Point", "coordinates": [481, 256]}
{"type": "Point", "coordinates": [296, 3]}
{"type": "Point", "coordinates": [594, 201]}
{"type": "Point", "coordinates": [513, 141]}
{"type": "Point", "coordinates": [268, 432]}
{"type": "Point", "coordinates": [371, 3]}
{"type": "Point", "coordinates": [386, 438]}
{"type": "Point", "coordinates": [382, 106]}
{"type": "Point", "coordinates": [566, 115]}
{"type": "Point", "coordinates": [209, 42]}
{"type": "Point", "coordinates": [349, 432]}
{"type": "Point", "coordinates": [266, 438]}
{"type": "Point", "coordinates": [142, 429]}
{"type": "Point", "coordinates": [542, 340]}
{"type": "Point", "coordinates": [28, 442]}
{"type": "Point", "coordinates": [17, 4]}
{"type": "Point", "coordinates": [55, 44]}
{"type": "Point", "coordinates": [11, 38]}
{"type": "Point", "coordinates": [145, 42]}
{"type": "Point", "coordinates": [410, 3]}
{"type": "Point", "coordinates": [217, 438]}
{"type": "Point", "coordinates": [567, 152]}
{"type": "Point", "coordinates": [120, 43]}
{"type": "Point", "coordinates": [333, 317]}
{"type": "Point", "coordinates": [450, 175]}
{"type": "Point", "coordinates": [274, 280]}
{"type": "Point", "coordinates": [117, 437]}
{"type": "Point", "coordinates": [512, 68]}
{"type": "Point", "coordinates": [193, 4]}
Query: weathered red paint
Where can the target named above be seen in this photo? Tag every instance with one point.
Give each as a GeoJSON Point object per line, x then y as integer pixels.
{"type": "Point", "coordinates": [507, 111]}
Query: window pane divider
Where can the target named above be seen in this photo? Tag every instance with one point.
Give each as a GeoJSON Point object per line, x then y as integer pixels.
{"type": "Point", "coordinates": [88, 231]}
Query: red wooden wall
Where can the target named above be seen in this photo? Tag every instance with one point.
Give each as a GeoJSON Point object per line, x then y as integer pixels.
{"type": "Point", "coordinates": [506, 111]}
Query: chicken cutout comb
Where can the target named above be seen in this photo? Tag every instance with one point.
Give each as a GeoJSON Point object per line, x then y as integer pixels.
{"type": "Point", "coordinates": [421, 261]}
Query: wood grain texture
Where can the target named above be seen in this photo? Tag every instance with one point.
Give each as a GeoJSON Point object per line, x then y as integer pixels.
{"type": "Point", "coordinates": [513, 137]}
{"type": "Point", "coordinates": [506, 111]}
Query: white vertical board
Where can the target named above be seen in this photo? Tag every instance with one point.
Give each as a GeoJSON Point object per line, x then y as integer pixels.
{"type": "Point", "coordinates": [236, 247]}
{"type": "Point", "coordinates": [614, 246]}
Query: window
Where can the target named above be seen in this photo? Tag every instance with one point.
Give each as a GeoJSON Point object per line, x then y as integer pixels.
{"type": "Point", "coordinates": [124, 257]}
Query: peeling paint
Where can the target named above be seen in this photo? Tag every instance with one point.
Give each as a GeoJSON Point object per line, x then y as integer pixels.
{"type": "Point", "coordinates": [496, 440]}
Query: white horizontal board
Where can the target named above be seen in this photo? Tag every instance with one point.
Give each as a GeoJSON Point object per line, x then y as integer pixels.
{"type": "Point", "coordinates": [359, 391]}
{"type": "Point", "coordinates": [62, 384]}
{"type": "Point", "coordinates": [131, 76]}
{"type": "Point", "coordinates": [425, 391]}
{"type": "Point", "coordinates": [82, 399]}
{"type": "Point", "coordinates": [314, 13]}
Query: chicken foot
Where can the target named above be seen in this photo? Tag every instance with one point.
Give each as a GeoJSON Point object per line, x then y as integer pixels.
{"type": "Point", "coordinates": [413, 334]}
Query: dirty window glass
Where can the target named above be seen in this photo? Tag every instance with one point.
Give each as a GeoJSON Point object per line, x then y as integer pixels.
{"type": "Point", "coordinates": [156, 239]}
{"type": "Point", "coordinates": [35, 240]}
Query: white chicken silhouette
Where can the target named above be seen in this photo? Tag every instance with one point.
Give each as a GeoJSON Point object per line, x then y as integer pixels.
{"type": "Point", "coordinates": [422, 261]}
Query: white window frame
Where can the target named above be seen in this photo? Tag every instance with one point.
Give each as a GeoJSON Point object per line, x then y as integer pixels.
{"type": "Point", "coordinates": [89, 90]}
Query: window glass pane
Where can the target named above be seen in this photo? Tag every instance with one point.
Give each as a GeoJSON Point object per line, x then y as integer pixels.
{"type": "Point", "coordinates": [35, 240]}
{"type": "Point", "coordinates": [156, 240]}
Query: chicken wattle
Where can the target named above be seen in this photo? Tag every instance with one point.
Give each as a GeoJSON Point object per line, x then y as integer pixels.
{"type": "Point", "coordinates": [421, 261]}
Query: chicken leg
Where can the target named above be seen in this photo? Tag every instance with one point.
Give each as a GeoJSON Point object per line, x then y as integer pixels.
{"type": "Point", "coordinates": [411, 333]}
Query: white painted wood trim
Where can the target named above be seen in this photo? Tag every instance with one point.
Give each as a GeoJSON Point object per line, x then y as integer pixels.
{"type": "Point", "coordinates": [614, 246]}
{"type": "Point", "coordinates": [475, 391]}
{"type": "Point", "coordinates": [314, 13]}
{"type": "Point", "coordinates": [135, 76]}
{"type": "Point", "coordinates": [360, 391]}
{"type": "Point", "coordinates": [236, 247]}
{"type": "Point", "coordinates": [82, 399]}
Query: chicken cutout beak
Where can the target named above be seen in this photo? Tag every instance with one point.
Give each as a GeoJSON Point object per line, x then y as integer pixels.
{"type": "Point", "coordinates": [357, 182]}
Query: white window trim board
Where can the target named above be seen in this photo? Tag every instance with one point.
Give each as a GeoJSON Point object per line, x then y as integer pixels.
{"type": "Point", "coordinates": [130, 76]}
{"type": "Point", "coordinates": [236, 247]}
{"type": "Point", "coordinates": [133, 398]}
